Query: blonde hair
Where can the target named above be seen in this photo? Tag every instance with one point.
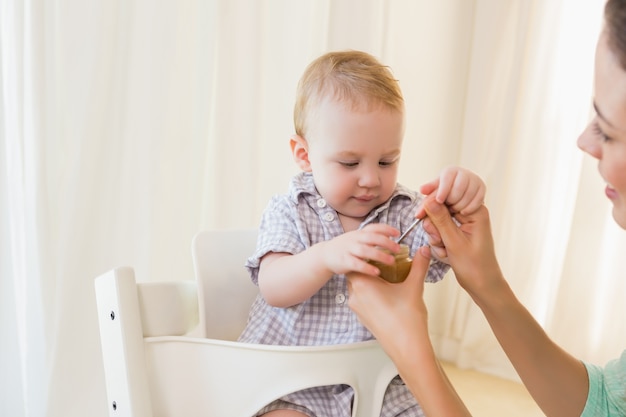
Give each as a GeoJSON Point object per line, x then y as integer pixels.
{"type": "Point", "coordinates": [354, 77]}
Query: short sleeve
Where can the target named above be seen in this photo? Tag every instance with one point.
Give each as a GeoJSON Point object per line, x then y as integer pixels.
{"type": "Point", "coordinates": [278, 232]}
{"type": "Point", "coordinates": [607, 389]}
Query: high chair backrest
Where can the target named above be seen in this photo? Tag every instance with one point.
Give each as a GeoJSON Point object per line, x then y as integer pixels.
{"type": "Point", "coordinates": [225, 290]}
{"type": "Point", "coordinates": [166, 353]}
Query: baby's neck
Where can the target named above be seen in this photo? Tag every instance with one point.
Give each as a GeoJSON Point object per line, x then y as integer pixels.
{"type": "Point", "coordinates": [349, 223]}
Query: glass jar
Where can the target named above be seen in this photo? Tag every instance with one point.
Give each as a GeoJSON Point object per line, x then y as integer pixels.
{"type": "Point", "coordinates": [398, 271]}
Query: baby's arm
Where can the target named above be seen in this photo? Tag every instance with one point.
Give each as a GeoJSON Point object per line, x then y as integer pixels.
{"type": "Point", "coordinates": [286, 280]}
{"type": "Point", "coordinates": [462, 190]}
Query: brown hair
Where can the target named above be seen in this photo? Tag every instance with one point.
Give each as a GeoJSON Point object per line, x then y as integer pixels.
{"type": "Point", "coordinates": [354, 77]}
{"type": "Point", "coordinates": [615, 26]}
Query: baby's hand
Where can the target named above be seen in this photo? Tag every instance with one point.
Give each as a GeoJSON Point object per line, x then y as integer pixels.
{"type": "Point", "coordinates": [350, 251]}
{"type": "Point", "coordinates": [462, 190]}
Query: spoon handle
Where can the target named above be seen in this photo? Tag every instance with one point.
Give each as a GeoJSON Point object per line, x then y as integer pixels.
{"type": "Point", "coordinates": [411, 226]}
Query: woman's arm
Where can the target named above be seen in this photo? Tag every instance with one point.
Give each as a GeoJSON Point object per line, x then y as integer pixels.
{"type": "Point", "coordinates": [557, 381]}
{"type": "Point", "coordinates": [397, 316]}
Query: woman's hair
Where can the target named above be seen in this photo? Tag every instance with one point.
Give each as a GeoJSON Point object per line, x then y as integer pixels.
{"type": "Point", "coordinates": [615, 26]}
{"type": "Point", "coordinates": [353, 77]}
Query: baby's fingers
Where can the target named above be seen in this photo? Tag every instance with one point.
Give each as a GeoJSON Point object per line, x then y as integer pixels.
{"type": "Point", "coordinates": [476, 199]}
{"type": "Point", "coordinates": [467, 195]}
{"type": "Point", "coordinates": [429, 187]}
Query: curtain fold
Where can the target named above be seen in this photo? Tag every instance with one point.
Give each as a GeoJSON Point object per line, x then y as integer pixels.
{"type": "Point", "coordinates": [128, 126]}
{"type": "Point", "coordinates": [24, 304]}
{"type": "Point", "coordinates": [528, 96]}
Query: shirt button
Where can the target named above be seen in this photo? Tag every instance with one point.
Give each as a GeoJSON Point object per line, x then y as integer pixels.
{"type": "Point", "coordinates": [340, 298]}
{"type": "Point", "coordinates": [321, 203]}
{"type": "Point", "coordinates": [329, 217]}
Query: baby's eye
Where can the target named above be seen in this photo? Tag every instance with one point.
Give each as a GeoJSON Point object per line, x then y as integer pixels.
{"type": "Point", "coordinates": [349, 164]}
{"type": "Point", "coordinates": [386, 163]}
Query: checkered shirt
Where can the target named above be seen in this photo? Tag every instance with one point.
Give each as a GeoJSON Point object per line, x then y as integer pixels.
{"type": "Point", "coordinates": [292, 223]}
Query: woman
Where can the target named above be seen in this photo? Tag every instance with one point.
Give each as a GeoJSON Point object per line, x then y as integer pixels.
{"type": "Point", "coordinates": [560, 384]}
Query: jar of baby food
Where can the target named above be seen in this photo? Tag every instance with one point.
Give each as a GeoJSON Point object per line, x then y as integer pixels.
{"type": "Point", "coordinates": [398, 271]}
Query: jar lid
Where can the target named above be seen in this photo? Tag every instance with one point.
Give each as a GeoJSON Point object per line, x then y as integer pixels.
{"type": "Point", "coordinates": [404, 251]}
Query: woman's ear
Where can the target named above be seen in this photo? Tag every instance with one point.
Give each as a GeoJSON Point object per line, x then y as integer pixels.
{"type": "Point", "coordinates": [300, 151]}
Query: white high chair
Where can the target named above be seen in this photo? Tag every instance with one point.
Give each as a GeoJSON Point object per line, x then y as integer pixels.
{"type": "Point", "coordinates": [169, 348]}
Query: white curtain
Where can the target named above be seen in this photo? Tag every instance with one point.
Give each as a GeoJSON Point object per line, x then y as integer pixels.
{"type": "Point", "coordinates": [127, 126]}
{"type": "Point", "coordinates": [528, 96]}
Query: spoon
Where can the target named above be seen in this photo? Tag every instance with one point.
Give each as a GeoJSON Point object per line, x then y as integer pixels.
{"type": "Point", "coordinates": [406, 232]}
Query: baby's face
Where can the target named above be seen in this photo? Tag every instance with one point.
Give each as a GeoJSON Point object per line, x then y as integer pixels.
{"type": "Point", "coordinates": [354, 156]}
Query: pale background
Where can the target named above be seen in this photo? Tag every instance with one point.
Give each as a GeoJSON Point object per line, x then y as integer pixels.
{"type": "Point", "coordinates": [128, 125]}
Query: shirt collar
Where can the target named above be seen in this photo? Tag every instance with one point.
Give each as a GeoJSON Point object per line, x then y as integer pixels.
{"type": "Point", "coordinates": [302, 185]}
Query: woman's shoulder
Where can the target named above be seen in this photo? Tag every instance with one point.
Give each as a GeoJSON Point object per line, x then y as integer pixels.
{"type": "Point", "coordinates": [607, 389]}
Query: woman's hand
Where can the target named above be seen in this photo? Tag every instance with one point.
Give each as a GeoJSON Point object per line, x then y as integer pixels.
{"type": "Point", "coordinates": [389, 309]}
{"type": "Point", "coordinates": [469, 245]}
{"type": "Point", "coordinates": [397, 316]}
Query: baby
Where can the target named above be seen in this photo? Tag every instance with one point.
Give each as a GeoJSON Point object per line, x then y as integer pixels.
{"type": "Point", "coordinates": [338, 213]}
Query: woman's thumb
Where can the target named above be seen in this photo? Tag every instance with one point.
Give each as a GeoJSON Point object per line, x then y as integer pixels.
{"type": "Point", "coordinates": [419, 266]}
{"type": "Point", "coordinates": [441, 218]}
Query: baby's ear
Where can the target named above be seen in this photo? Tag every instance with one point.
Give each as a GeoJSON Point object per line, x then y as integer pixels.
{"type": "Point", "coordinates": [300, 151]}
